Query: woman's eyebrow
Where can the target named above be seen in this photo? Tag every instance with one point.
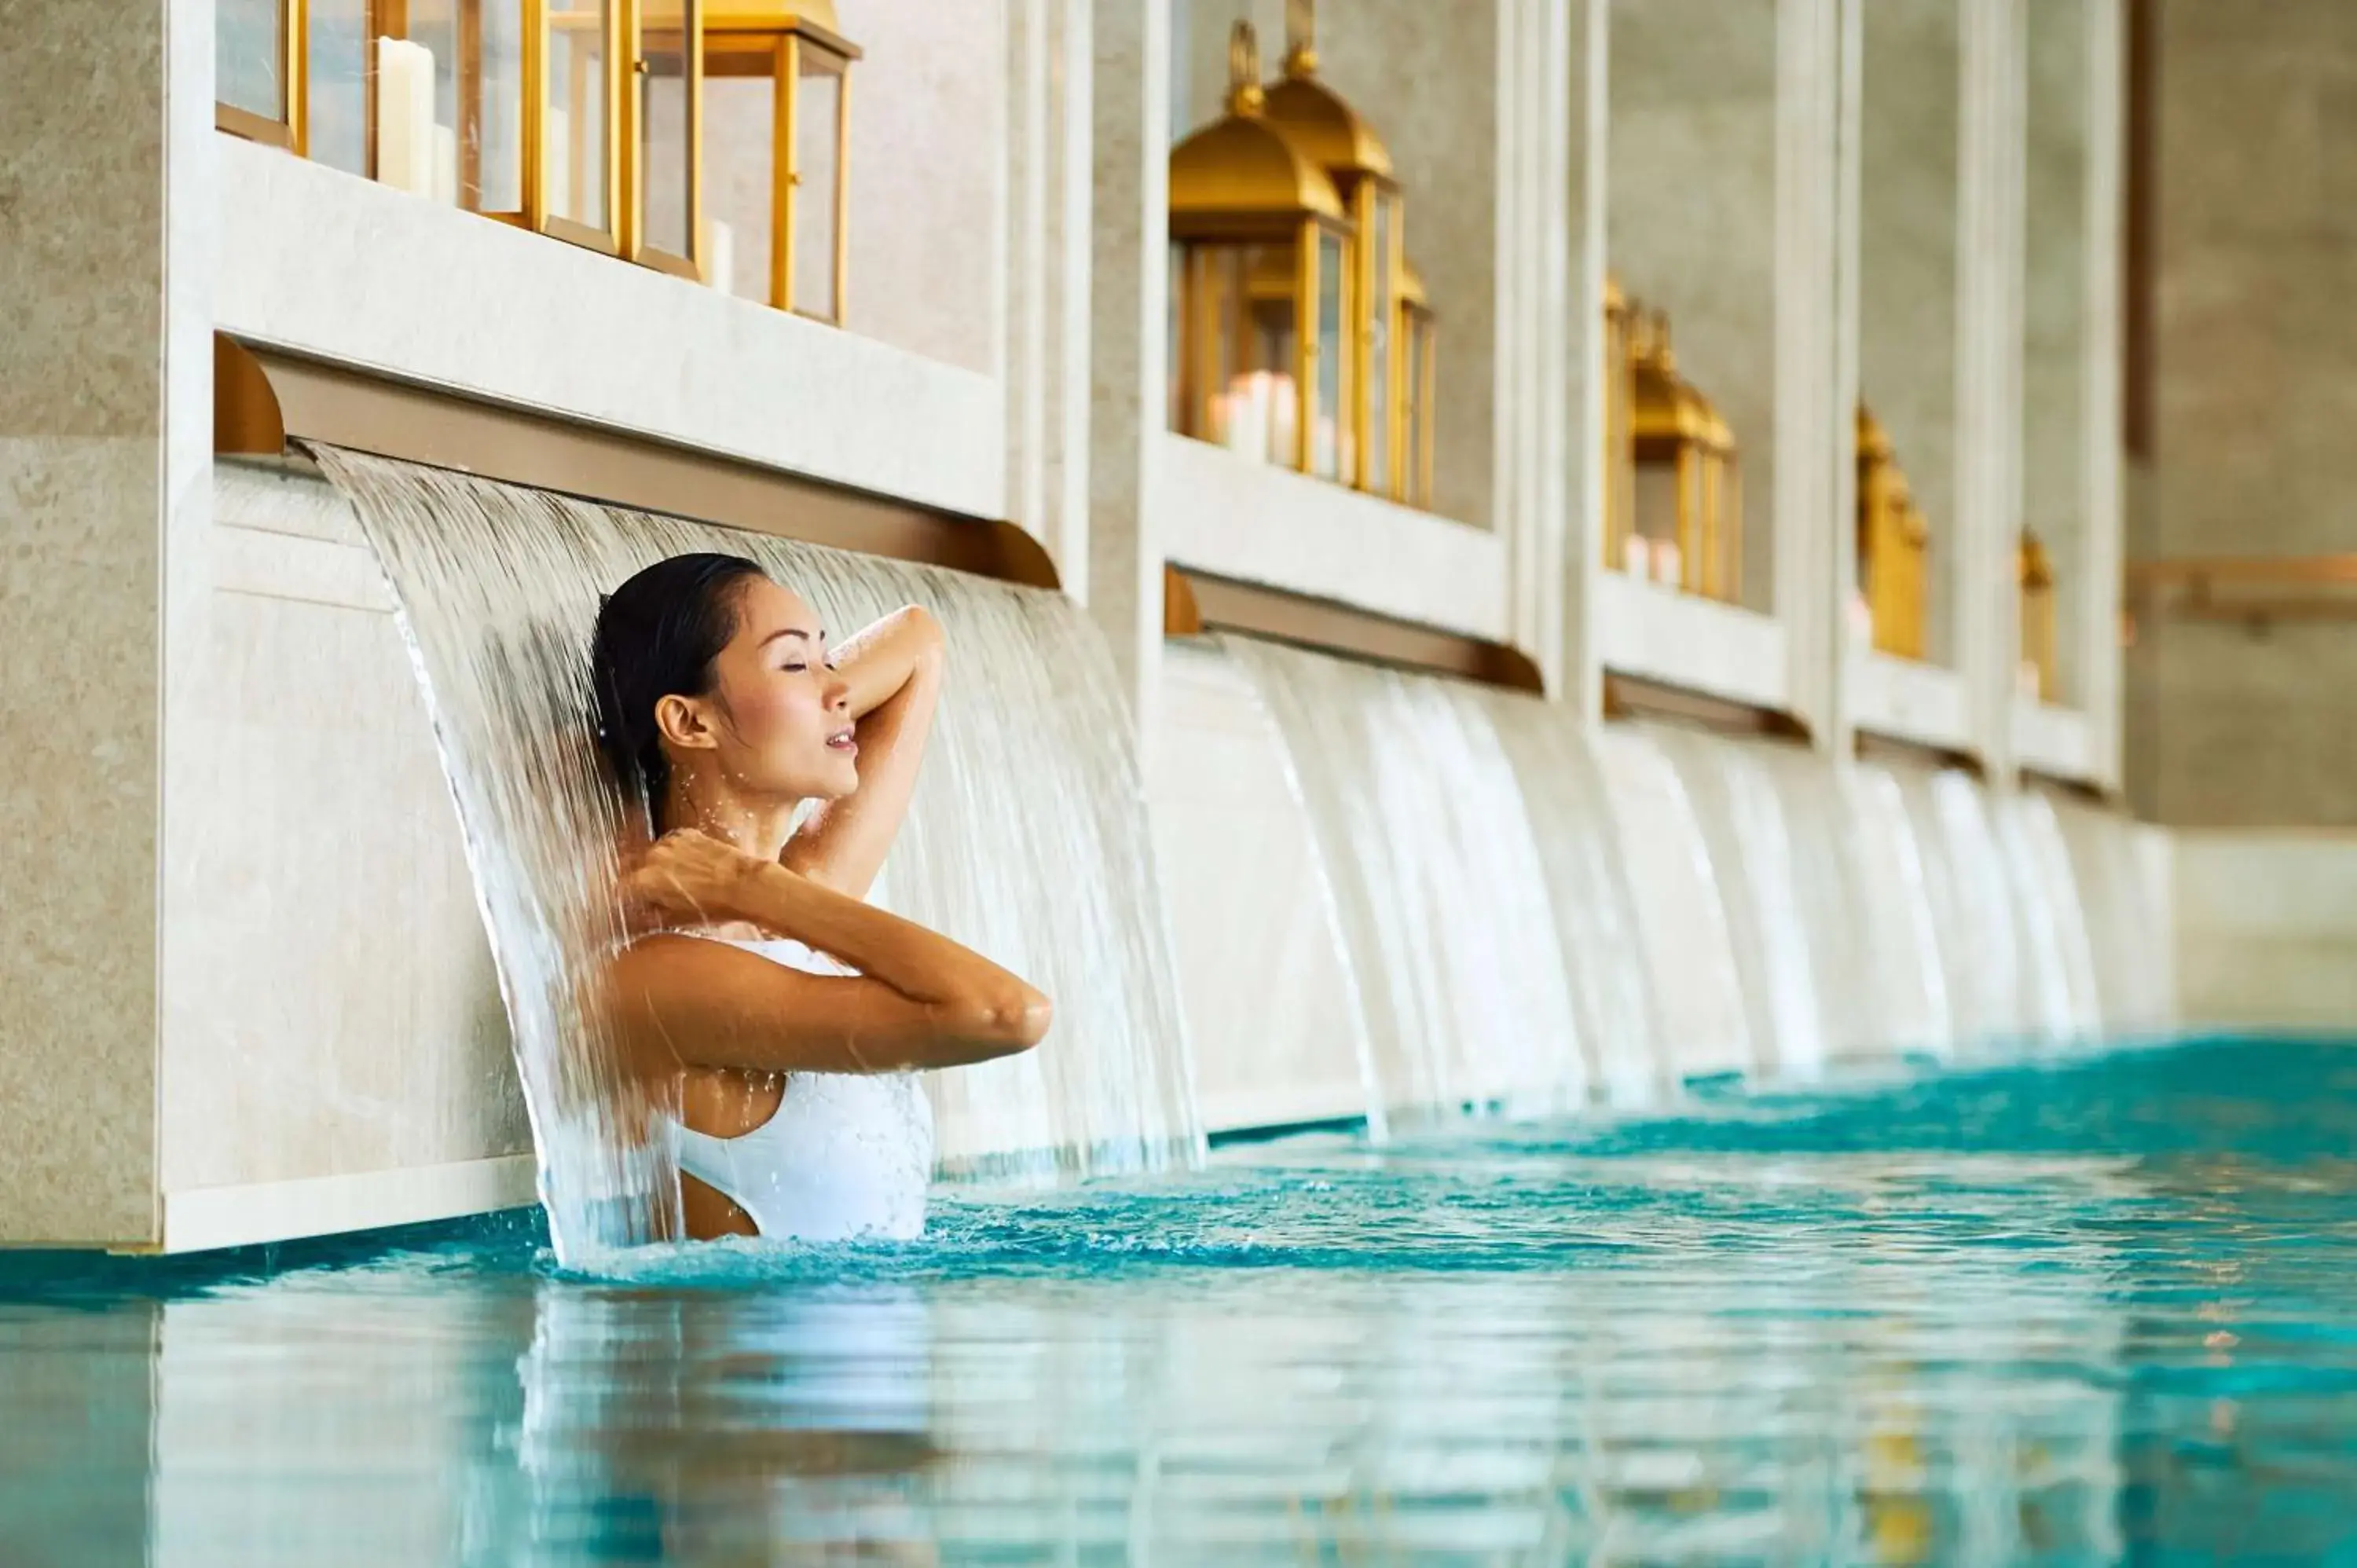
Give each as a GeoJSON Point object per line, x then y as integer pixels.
{"type": "Point", "coordinates": [789, 631]}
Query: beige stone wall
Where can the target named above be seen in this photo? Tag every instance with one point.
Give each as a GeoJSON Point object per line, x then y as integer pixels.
{"type": "Point", "coordinates": [2054, 400]}
{"type": "Point", "coordinates": [1908, 262]}
{"type": "Point", "coordinates": [1693, 216]}
{"type": "Point", "coordinates": [82, 402]}
{"type": "Point", "coordinates": [2257, 352]}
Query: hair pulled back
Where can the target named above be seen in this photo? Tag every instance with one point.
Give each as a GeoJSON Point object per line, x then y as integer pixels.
{"type": "Point", "coordinates": [657, 637]}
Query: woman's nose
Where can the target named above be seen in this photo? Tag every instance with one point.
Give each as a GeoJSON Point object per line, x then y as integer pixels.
{"type": "Point", "coordinates": [838, 691]}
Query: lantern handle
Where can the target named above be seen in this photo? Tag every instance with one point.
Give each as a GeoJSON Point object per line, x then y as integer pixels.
{"type": "Point", "coordinates": [1244, 96]}
{"type": "Point", "coordinates": [1300, 37]}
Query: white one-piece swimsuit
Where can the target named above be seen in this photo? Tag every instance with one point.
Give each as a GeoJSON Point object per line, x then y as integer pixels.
{"type": "Point", "coordinates": [846, 1154]}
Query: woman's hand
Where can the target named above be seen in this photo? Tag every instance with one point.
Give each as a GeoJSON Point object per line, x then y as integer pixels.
{"type": "Point", "coordinates": [686, 878]}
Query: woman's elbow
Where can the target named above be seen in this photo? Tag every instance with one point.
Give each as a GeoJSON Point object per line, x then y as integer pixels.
{"type": "Point", "coordinates": [1008, 1025]}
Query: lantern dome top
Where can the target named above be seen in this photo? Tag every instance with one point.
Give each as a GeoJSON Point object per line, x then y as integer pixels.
{"type": "Point", "coordinates": [1243, 165]}
{"type": "Point", "coordinates": [1873, 441]}
{"type": "Point", "coordinates": [2037, 569]}
{"type": "Point", "coordinates": [1333, 133]}
{"type": "Point", "coordinates": [1411, 287]}
{"type": "Point", "coordinates": [1664, 405]}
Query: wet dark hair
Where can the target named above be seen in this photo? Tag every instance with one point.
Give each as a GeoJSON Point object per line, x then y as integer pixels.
{"type": "Point", "coordinates": [657, 635]}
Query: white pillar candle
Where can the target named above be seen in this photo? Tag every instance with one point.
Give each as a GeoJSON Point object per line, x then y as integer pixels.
{"type": "Point", "coordinates": [556, 166]}
{"type": "Point", "coordinates": [1665, 562]}
{"type": "Point", "coordinates": [720, 256]}
{"type": "Point", "coordinates": [1280, 418]}
{"type": "Point", "coordinates": [445, 164]}
{"type": "Point", "coordinates": [1861, 621]}
{"type": "Point", "coordinates": [1637, 557]}
{"type": "Point", "coordinates": [405, 115]}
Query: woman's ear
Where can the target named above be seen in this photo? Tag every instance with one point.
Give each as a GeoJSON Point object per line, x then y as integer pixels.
{"type": "Point", "coordinates": [685, 722]}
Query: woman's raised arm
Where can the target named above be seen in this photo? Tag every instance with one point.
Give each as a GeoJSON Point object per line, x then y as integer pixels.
{"type": "Point", "coordinates": [894, 672]}
{"type": "Point", "coordinates": [920, 1000]}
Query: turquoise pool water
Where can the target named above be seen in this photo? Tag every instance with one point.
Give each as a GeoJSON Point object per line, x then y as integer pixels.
{"type": "Point", "coordinates": [2077, 1313]}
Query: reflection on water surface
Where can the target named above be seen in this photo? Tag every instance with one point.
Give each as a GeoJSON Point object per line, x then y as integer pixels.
{"type": "Point", "coordinates": [2062, 1314]}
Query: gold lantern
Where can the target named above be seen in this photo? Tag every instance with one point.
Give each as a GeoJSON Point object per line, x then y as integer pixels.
{"type": "Point", "coordinates": [2038, 673]}
{"type": "Point", "coordinates": [1688, 497]}
{"type": "Point", "coordinates": [1261, 285]}
{"type": "Point", "coordinates": [1619, 453]}
{"type": "Point", "coordinates": [1419, 403]}
{"type": "Point", "coordinates": [1342, 143]}
{"type": "Point", "coordinates": [1892, 541]}
{"type": "Point", "coordinates": [778, 121]}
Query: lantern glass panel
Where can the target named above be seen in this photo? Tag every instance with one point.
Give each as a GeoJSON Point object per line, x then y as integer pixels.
{"type": "Point", "coordinates": [1657, 499]}
{"type": "Point", "coordinates": [1383, 392]}
{"type": "Point", "coordinates": [1730, 529]}
{"type": "Point", "coordinates": [667, 147]}
{"type": "Point", "coordinates": [1330, 443]}
{"type": "Point", "coordinates": [1426, 394]}
{"type": "Point", "coordinates": [818, 168]}
{"type": "Point", "coordinates": [250, 56]}
{"type": "Point", "coordinates": [469, 138]}
{"type": "Point", "coordinates": [740, 141]}
{"type": "Point", "coordinates": [1174, 337]}
{"type": "Point", "coordinates": [1412, 411]}
{"type": "Point", "coordinates": [1238, 330]}
{"type": "Point", "coordinates": [417, 122]}
{"type": "Point", "coordinates": [336, 129]}
{"type": "Point", "coordinates": [576, 112]}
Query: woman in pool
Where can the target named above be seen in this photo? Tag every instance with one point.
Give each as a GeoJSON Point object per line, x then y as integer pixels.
{"type": "Point", "coordinates": [787, 1011]}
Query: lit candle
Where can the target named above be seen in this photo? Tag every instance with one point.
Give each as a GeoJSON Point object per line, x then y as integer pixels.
{"type": "Point", "coordinates": [556, 142]}
{"type": "Point", "coordinates": [1636, 557]}
{"type": "Point", "coordinates": [1256, 416]}
{"type": "Point", "coordinates": [2025, 678]}
{"type": "Point", "coordinates": [1861, 621]}
{"type": "Point", "coordinates": [1282, 417]}
{"type": "Point", "coordinates": [720, 255]}
{"type": "Point", "coordinates": [445, 164]}
{"type": "Point", "coordinates": [405, 115]}
{"type": "Point", "coordinates": [1665, 562]}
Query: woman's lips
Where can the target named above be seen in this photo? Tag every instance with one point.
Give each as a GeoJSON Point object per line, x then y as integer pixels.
{"type": "Point", "coordinates": [841, 740]}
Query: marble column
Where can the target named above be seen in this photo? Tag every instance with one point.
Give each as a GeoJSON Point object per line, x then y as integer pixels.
{"type": "Point", "coordinates": [1044, 348]}
{"type": "Point", "coordinates": [1987, 639]}
{"type": "Point", "coordinates": [1578, 678]}
{"type": "Point", "coordinates": [1129, 284]}
{"type": "Point", "coordinates": [105, 425]}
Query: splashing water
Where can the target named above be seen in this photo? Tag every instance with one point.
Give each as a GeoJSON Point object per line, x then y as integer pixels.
{"type": "Point", "coordinates": [1704, 904]}
{"type": "Point", "coordinates": [1564, 789]}
{"type": "Point", "coordinates": [1027, 839]}
{"type": "Point", "coordinates": [1435, 874]}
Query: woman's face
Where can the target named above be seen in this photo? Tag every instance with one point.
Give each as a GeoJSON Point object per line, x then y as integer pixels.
{"type": "Point", "coordinates": [778, 717]}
